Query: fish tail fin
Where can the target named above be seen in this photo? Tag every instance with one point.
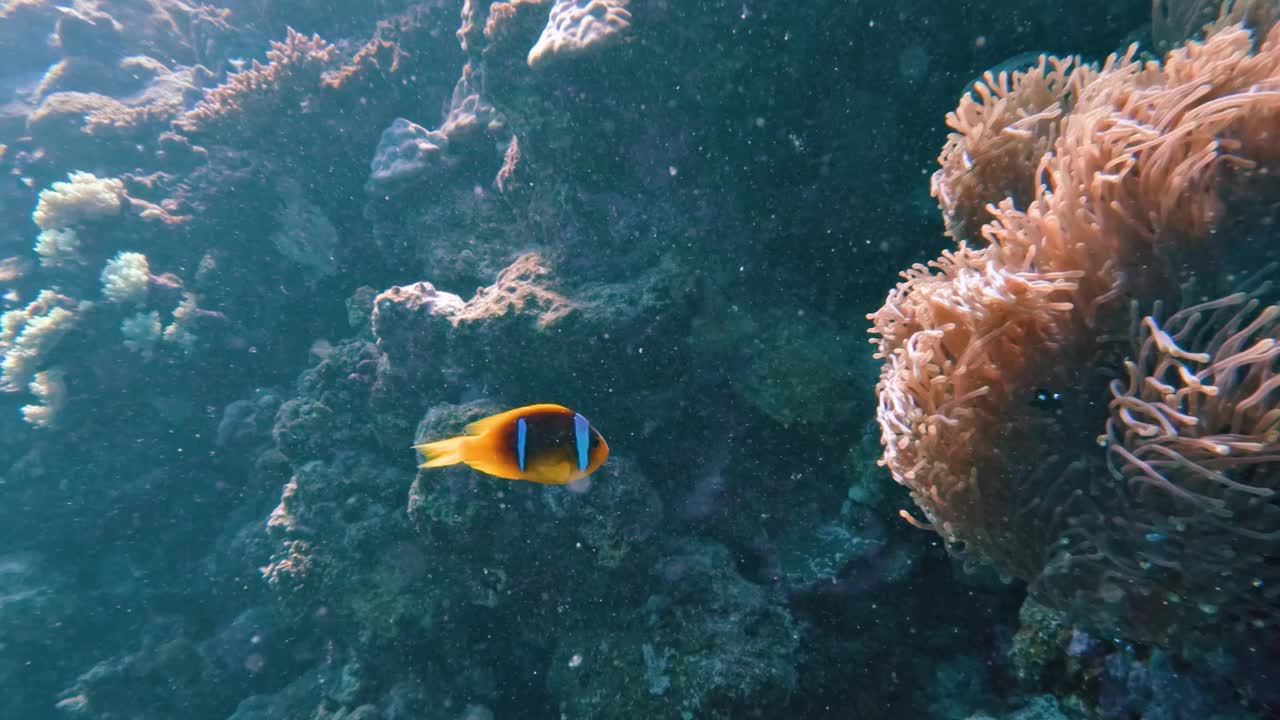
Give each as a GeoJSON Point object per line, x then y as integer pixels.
{"type": "Point", "coordinates": [443, 452]}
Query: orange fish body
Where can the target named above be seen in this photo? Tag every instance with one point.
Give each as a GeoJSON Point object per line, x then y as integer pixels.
{"type": "Point", "coordinates": [546, 443]}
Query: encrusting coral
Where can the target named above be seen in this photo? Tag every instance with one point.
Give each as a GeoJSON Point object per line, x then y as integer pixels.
{"type": "Point", "coordinates": [409, 153]}
{"type": "Point", "coordinates": [1152, 513]}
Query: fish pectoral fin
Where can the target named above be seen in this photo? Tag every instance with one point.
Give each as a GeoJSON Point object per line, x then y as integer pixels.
{"type": "Point", "coordinates": [496, 467]}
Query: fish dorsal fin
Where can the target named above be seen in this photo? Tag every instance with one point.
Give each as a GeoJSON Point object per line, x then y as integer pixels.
{"type": "Point", "coordinates": [484, 425]}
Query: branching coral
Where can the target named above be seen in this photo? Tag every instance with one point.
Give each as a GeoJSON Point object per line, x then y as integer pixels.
{"type": "Point", "coordinates": [185, 316]}
{"type": "Point", "coordinates": [997, 360]}
{"type": "Point", "coordinates": [294, 67]}
{"type": "Point", "coordinates": [80, 124]}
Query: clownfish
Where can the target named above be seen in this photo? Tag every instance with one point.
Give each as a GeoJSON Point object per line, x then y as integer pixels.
{"type": "Point", "coordinates": [548, 444]}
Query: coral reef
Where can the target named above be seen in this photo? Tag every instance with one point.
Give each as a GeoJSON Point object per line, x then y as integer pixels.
{"type": "Point", "coordinates": [255, 249]}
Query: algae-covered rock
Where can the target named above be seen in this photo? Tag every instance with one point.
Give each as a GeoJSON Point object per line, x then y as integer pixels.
{"type": "Point", "coordinates": [1042, 638]}
{"type": "Point", "coordinates": [798, 369]}
{"type": "Point", "coordinates": [706, 643]}
{"type": "Point", "coordinates": [37, 619]}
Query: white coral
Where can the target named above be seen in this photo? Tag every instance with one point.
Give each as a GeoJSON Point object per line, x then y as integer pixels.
{"type": "Point", "coordinates": [141, 332]}
{"type": "Point", "coordinates": [125, 278]}
{"type": "Point", "coordinates": [179, 331]}
{"type": "Point", "coordinates": [578, 26]}
{"type": "Point", "coordinates": [28, 335]}
{"type": "Point", "coordinates": [82, 197]}
{"type": "Point", "coordinates": [58, 247]}
{"type": "Point", "coordinates": [50, 388]}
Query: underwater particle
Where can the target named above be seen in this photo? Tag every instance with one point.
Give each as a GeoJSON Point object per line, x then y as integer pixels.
{"type": "Point", "coordinates": [576, 660]}
{"type": "Point", "coordinates": [82, 197]}
{"type": "Point", "coordinates": [545, 443]}
{"type": "Point", "coordinates": [58, 247]}
{"type": "Point", "coordinates": [476, 712]}
{"type": "Point", "coordinates": [125, 278]}
{"type": "Point", "coordinates": [913, 63]}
